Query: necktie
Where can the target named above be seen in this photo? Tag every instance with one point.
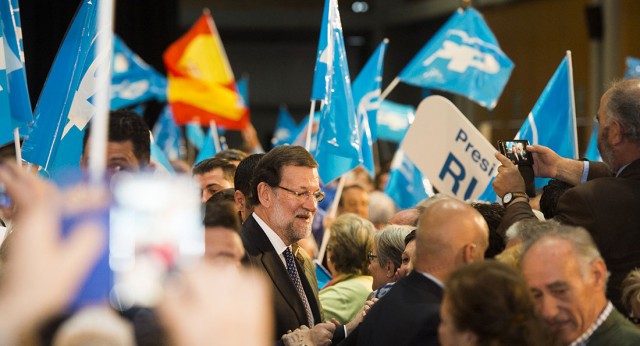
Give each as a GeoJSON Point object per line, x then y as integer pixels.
{"type": "Point", "coordinates": [293, 273]}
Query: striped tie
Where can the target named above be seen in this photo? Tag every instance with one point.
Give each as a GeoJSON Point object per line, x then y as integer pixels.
{"type": "Point", "coordinates": [293, 273]}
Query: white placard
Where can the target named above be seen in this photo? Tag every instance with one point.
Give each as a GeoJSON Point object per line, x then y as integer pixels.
{"type": "Point", "coordinates": [449, 150]}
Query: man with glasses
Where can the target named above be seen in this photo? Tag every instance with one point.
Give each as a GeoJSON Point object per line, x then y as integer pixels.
{"type": "Point", "coordinates": [285, 191]}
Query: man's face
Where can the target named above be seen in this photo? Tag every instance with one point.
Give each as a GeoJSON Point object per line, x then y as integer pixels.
{"type": "Point", "coordinates": [291, 216]}
{"type": "Point", "coordinates": [120, 157]}
{"type": "Point", "coordinates": [211, 183]}
{"type": "Point", "coordinates": [567, 300]}
{"type": "Point", "coordinates": [355, 200]}
{"type": "Point", "coordinates": [407, 257]}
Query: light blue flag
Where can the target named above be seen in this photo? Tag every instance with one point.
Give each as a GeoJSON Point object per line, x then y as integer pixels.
{"type": "Point", "coordinates": [65, 105]}
{"type": "Point", "coordinates": [324, 58]}
{"type": "Point", "coordinates": [592, 153]}
{"type": "Point", "coordinates": [158, 156]}
{"type": "Point", "coordinates": [195, 135]}
{"type": "Point", "coordinates": [551, 122]}
{"type": "Point", "coordinates": [208, 147]}
{"type": "Point", "coordinates": [463, 57]}
{"type": "Point", "coordinates": [242, 85]}
{"type": "Point", "coordinates": [338, 149]}
{"type": "Point", "coordinates": [132, 80]}
{"type": "Point", "coordinates": [167, 134]}
{"type": "Point", "coordinates": [6, 124]}
{"type": "Point", "coordinates": [16, 78]}
{"type": "Point", "coordinates": [299, 137]}
{"type": "Point", "coordinates": [632, 69]}
{"type": "Point", "coordinates": [366, 93]}
{"type": "Point", "coordinates": [394, 120]}
{"type": "Point", "coordinates": [407, 186]}
{"type": "Point", "coordinates": [286, 128]}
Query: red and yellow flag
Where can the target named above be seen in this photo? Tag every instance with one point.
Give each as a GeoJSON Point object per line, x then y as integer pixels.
{"type": "Point", "coordinates": [201, 83]}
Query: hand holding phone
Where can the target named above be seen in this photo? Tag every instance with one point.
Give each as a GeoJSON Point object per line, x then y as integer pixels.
{"type": "Point", "coordinates": [516, 151]}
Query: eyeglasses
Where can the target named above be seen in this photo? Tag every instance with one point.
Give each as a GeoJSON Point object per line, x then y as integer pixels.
{"type": "Point", "coordinates": [318, 196]}
{"type": "Point", "coordinates": [371, 257]}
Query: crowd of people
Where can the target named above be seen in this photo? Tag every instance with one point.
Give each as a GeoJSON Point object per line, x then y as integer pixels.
{"type": "Point", "coordinates": [445, 272]}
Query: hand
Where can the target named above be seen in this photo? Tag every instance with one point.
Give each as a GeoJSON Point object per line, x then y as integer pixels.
{"type": "Point", "coordinates": [300, 336]}
{"type": "Point", "coordinates": [250, 138]}
{"type": "Point", "coordinates": [548, 164]}
{"type": "Point", "coordinates": [360, 315]}
{"type": "Point", "coordinates": [322, 333]}
{"type": "Point", "coordinates": [218, 303]}
{"type": "Point", "coordinates": [508, 178]}
{"type": "Point", "coordinates": [44, 270]}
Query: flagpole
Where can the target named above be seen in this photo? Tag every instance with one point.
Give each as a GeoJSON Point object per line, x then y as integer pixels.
{"type": "Point", "coordinates": [307, 144]}
{"type": "Point", "coordinates": [573, 106]}
{"type": "Point", "coordinates": [214, 133]}
{"type": "Point", "coordinates": [16, 141]}
{"type": "Point", "coordinates": [100, 122]}
{"type": "Point", "coordinates": [390, 87]}
{"type": "Point", "coordinates": [333, 210]}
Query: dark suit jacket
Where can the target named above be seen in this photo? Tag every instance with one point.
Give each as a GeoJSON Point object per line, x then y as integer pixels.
{"type": "Point", "coordinates": [609, 208]}
{"type": "Point", "coordinates": [408, 315]}
{"type": "Point", "coordinates": [616, 330]}
{"type": "Point", "coordinates": [289, 308]}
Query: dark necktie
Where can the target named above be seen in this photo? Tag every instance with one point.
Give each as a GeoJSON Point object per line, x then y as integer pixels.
{"type": "Point", "coordinates": [295, 278]}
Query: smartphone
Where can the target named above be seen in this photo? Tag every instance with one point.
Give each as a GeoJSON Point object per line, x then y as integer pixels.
{"type": "Point", "coordinates": [516, 151]}
{"type": "Point", "coordinates": [155, 230]}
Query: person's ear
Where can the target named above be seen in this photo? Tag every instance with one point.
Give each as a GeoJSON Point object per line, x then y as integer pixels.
{"type": "Point", "coordinates": [599, 272]}
{"type": "Point", "coordinates": [239, 200]}
{"type": "Point", "coordinates": [469, 253]}
{"type": "Point", "coordinates": [264, 194]}
{"type": "Point", "coordinates": [616, 133]}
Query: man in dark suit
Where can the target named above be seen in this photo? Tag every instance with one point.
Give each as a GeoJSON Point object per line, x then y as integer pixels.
{"type": "Point", "coordinates": [450, 234]}
{"type": "Point", "coordinates": [604, 203]}
{"type": "Point", "coordinates": [285, 191]}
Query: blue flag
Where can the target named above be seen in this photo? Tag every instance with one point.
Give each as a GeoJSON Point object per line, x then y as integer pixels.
{"type": "Point", "coordinates": [299, 137]}
{"type": "Point", "coordinates": [6, 124]}
{"type": "Point", "coordinates": [338, 149]}
{"type": "Point", "coordinates": [407, 186]}
{"type": "Point", "coordinates": [65, 105]}
{"type": "Point", "coordinates": [167, 134]}
{"type": "Point", "coordinates": [592, 153]}
{"type": "Point", "coordinates": [366, 93]}
{"type": "Point", "coordinates": [242, 85]}
{"type": "Point", "coordinates": [208, 146]}
{"type": "Point", "coordinates": [394, 120]}
{"type": "Point", "coordinates": [551, 122]}
{"type": "Point", "coordinates": [286, 128]}
{"type": "Point", "coordinates": [324, 58]}
{"type": "Point", "coordinates": [195, 134]}
{"type": "Point", "coordinates": [463, 57]}
{"type": "Point", "coordinates": [16, 77]}
{"type": "Point", "coordinates": [632, 69]}
{"type": "Point", "coordinates": [132, 80]}
{"type": "Point", "coordinates": [158, 157]}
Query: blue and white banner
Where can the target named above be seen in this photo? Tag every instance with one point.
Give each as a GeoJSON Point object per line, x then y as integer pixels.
{"type": "Point", "coordinates": [632, 70]}
{"type": "Point", "coordinates": [463, 57]}
{"type": "Point", "coordinates": [592, 153]}
{"type": "Point", "coordinates": [407, 186]}
{"type": "Point", "coordinates": [132, 80]}
{"type": "Point", "coordinates": [65, 105]}
{"type": "Point", "coordinates": [286, 128]}
{"type": "Point", "coordinates": [394, 120]}
{"type": "Point", "coordinates": [16, 77]}
{"type": "Point", "coordinates": [446, 147]}
{"type": "Point", "coordinates": [366, 94]}
{"type": "Point", "coordinates": [167, 134]}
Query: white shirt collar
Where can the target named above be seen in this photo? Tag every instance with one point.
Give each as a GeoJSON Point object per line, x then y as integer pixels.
{"type": "Point", "coordinates": [433, 278]}
{"type": "Point", "coordinates": [274, 238]}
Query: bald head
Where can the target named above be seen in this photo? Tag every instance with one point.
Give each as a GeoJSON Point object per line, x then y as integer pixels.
{"type": "Point", "coordinates": [450, 234]}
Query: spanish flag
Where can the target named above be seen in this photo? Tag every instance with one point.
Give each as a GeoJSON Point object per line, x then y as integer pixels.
{"type": "Point", "coordinates": [201, 84]}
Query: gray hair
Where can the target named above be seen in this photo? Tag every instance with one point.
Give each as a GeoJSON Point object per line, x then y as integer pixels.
{"type": "Point", "coordinates": [631, 289]}
{"type": "Point", "coordinates": [581, 241]}
{"type": "Point", "coordinates": [381, 208]}
{"type": "Point", "coordinates": [390, 244]}
{"type": "Point", "coordinates": [528, 228]}
{"type": "Point", "coordinates": [623, 106]}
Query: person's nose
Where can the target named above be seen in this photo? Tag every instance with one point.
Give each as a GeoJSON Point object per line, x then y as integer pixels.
{"type": "Point", "coordinates": [310, 203]}
{"type": "Point", "coordinates": [548, 307]}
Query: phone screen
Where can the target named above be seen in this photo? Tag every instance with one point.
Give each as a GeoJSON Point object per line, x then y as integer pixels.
{"type": "Point", "coordinates": [516, 151]}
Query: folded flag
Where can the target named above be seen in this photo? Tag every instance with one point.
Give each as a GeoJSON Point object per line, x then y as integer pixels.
{"type": "Point", "coordinates": [407, 186]}
{"type": "Point", "coordinates": [202, 87]}
{"type": "Point", "coordinates": [632, 70]}
{"type": "Point", "coordinates": [463, 57]}
{"type": "Point", "coordinates": [167, 134]}
{"type": "Point", "coordinates": [286, 128]}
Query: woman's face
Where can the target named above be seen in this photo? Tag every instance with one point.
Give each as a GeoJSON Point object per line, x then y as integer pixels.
{"type": "Point", "coordinates": [381, 274]}
{"type": "Point", "coordinates": [448, 334]}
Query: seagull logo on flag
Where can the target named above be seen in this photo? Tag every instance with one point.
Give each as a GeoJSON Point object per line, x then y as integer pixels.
{"type": "Point", "coordinates": [462, 56]}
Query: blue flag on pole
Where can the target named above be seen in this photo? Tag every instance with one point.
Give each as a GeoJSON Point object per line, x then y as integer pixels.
{"type": "Point", "coordinates": [551, 122]}
{"type": "Point", "coordinates": [338, 149]}
{"type": "Point", "coordinates": [195, 134]}
{"type": "Point", "coordinates": [167, 134]}
{"type": "Point", "coordinates": [299, 137]}
{"type": "Point", "coordinates": [16, 76]}
{"type": "Point", "coordinates": [324, 58]}
{"type": "Point", "coordinates": [6, 124]}
{"type": "Point", "coordinates": [158, 157]}
{"type": "Point", "coordinates": [394, 120]}
{"type": "Point", "coordinates": [208, 146]}
{"type": "Point", "coordinates": [407, 186]}
{"type": "Point", "coordinates": [286, 128]}
{"type": "Point", "coordinates": [632, 69]}
{"type": "Point", "coordinates": [463, 57]}
{"type": "Point", "coordinates": [366, 93]}
{"type": "Point", "coordinates": [132, 80]}
{"type": "Point", "coordinates": [242, 85]}
{"type": "Point", "coordinates": [65, 105]}
{"type": "Point", "coordinates": [592, 153]}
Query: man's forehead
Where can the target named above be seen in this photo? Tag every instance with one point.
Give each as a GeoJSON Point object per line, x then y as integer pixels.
{"type": "Point", "coordinates": [300, 175]}
{"type": "Point", "coordinates": [550, 261]}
